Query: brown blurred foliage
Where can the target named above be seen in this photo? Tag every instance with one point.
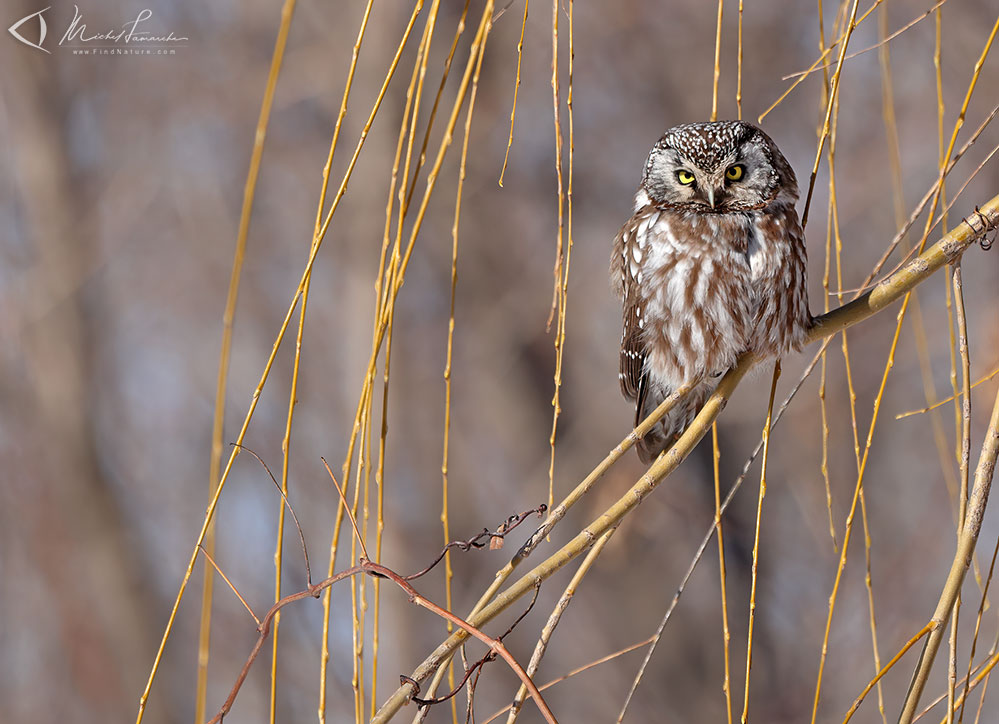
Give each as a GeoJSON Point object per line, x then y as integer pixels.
{"type": "Point", "coordinates": [119, 204]}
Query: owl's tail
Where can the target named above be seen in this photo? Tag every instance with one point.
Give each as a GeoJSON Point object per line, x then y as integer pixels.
{"type": "Point", "coordinates": [667, 430]}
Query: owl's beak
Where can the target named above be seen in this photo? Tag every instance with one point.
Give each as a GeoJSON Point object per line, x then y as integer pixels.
{"type": "Point", "coordinates": [715, 195]}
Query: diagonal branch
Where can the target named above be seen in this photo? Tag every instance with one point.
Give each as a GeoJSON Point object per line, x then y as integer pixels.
{"type": "Point", "coordinates": [894, 287]}
{"type": "Point", "coordinates": [959, 567]}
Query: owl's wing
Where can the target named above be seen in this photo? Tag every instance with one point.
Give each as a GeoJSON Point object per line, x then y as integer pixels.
{"type": "Point", "coordinates": [780, 282]}
{"type": "Point", "coordinates": [625, 270]}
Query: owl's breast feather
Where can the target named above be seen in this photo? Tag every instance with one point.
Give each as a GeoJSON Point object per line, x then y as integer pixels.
{"type": "Point", "coordinates": [697, 293]}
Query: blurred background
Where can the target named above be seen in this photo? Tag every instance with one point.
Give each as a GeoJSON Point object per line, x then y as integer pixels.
{"type": "Point", "coordinates": [120, 200]}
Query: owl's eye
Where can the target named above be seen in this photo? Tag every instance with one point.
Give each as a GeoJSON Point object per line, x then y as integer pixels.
{"type": "Point", "coordinates": [734, 173]}
{"type": "Point", "coordinates": [685, 177]}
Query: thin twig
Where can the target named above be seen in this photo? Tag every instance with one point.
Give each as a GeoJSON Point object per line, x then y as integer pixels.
{"type": "Point", "coordinates": [726, 636]}
{"type": "Point", "coordinates": [445, 513]}
{"type": "Point", "coordinates": [578, 670]}
{"type": "Point", "coordinates": [516, 88]}
{"type": "Point", "coordinates": [346, 507]}
{"type": "Point", "coordinates": [887, 667]}
{"type": "Point", "coordinates": [293, 392]}
{"type": "Point", "coordinates": [284, 497]}
{"type": "Point", "coordinates": [941, 403]}
{"type": "Point", "coordinates": [738, 68]}
{"type": "Point", "coordinates": [964, 462]}
{"type": "Point", "coordinates": [479, 539]}
{"type": "Point", "coordinates": [231, 586]}
{"type": "Point", "coordinates": [883, 41]}
{"type": "Point", "coordinates": [830, 105]}
{"type": "Point", "coordinates": [756, 539]}
{"type": "Point", "coordinates": [717, 71]}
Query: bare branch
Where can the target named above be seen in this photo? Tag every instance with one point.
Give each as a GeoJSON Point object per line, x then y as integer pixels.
{"type": "Point", "coordinates": [231, 586]}
{"type": "Point", "coordinates": [346, 507]}
{"type": "Point", "coordinates": [298, 526]}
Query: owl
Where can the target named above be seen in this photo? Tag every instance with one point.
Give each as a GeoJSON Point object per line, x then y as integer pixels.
{"type": "Point", "coordinates": [710, 265]}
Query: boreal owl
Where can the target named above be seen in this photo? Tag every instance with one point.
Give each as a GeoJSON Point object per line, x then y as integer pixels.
{"type": "Point", "coordinates": [710, 265]}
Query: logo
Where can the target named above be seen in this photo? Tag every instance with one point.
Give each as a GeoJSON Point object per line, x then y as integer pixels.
{"type": "Point", "coordinates": [42, 30]}
{"type": "Point", "coordinates": [129, 38]}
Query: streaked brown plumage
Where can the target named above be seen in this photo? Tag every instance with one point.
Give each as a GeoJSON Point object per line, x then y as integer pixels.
{"type": "Point", "coordinates": [711, 264]}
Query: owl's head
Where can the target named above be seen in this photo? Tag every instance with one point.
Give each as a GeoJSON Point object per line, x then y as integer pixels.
{"type": "Point", "coordinates": [719, 166]}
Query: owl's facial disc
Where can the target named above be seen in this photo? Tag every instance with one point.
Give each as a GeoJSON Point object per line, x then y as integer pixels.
{"type": "Point", "coordinates": [717, 167]}
{"type": "Point", "coordinates": [712, 187]}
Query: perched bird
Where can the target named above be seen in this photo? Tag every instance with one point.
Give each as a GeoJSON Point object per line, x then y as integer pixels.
{"type": "Point", "coordinates": [710, 265]}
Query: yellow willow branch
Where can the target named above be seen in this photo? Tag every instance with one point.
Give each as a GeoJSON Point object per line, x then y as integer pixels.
{"type": "Point", "coordinates": [959, 567]}
{"type": "Point", "coordinates": [213, 503]}
{"type": "Point", "coordinates": [225, 353]}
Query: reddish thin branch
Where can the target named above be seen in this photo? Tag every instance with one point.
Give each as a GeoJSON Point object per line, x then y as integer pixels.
{"type": "Point", "coordinates": [365, 566]}
{"type": "Point", "coordinates": [477, 666]}
{"type": "Point", "coordinates": [298, 526]}
{"type": "Point", "coordinates": [265, 629]}
{"type": "Point", "coordinates": [495, 645]}
{"type": "Point", "coordinates": [232, 588]}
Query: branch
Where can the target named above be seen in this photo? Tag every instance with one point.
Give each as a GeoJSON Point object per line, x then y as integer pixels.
{"type": "Point", "coordinates": [959, 567]}
{"type": "Point", "coordinates": [903, 281]}
{"type": "Point", "coordinates": [553, 620]}
{"type": "Point", "coordinates": [477, 541]}
{"type": "Point", "coordinates": [265, 629]}
{"type": "Point", "coordinates": [496, 647]}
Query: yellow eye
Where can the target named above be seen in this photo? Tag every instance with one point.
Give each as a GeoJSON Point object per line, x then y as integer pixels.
{"type": "Point", "coordinates": [685, 177]}
{"type": "Point", "coordinates": [734, 173]}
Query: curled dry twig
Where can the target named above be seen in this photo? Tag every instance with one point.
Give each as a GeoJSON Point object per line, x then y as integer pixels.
{"type": "Point", "coordinates": [478, 541]}
{"type": "Point", "coordinates": [298, 526]}
{"type": "Point", "coordinates": [476, 667]}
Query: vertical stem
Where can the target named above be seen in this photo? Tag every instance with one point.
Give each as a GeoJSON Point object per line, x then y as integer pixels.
{"type": "Point", "coordinates": [726, 636]}
{"type": "Point", "coordinates": [717, 73]}
{"type": "Point", "coordinates": [756, 540]}
{"type": "Point", "coordinates": [228, 317]}
{"type": "Point", "coordinates": [738, 70]}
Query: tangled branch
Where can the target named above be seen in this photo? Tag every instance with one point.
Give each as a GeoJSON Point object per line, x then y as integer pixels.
{"type": "Point", "coordinates": [368, 567]}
